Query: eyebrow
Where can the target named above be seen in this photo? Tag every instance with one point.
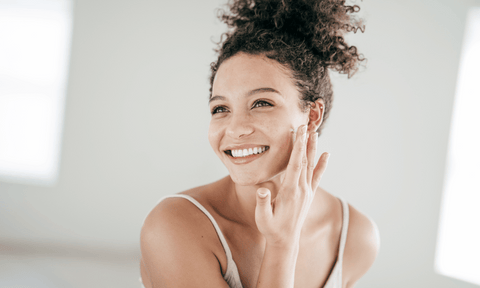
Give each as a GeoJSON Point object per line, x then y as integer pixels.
{"type": "Point", "coordinates": [250, 93]}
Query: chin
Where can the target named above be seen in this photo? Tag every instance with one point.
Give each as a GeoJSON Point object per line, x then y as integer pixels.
{"type": "Point", "coordinates": [252, 180]}
{"type": "Point", "coordinates": [245, 180]}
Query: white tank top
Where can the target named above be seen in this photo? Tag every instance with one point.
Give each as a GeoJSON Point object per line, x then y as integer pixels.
{"type": "Point", "coordinates": [232, 277]}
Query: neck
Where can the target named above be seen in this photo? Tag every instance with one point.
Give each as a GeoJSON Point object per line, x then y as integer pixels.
{"type": "Point", "coordinates": [244, 199]}
{"type": "Point", "coordinates": [243, 202]}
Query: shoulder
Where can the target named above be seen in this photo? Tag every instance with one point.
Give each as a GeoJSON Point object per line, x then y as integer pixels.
{"type": "Point", "coordinates": [175, 236]}
{"type": "Point", "coordinates": [174, 222]}
{"type": "Point", "coordinates": [176, 217]}
{"type": "Point", "coordinates": [179, 216]}
{"type": "Point", "coordinates": [169, 213]}
{"type": "Point", "coordinates": [361, 248]}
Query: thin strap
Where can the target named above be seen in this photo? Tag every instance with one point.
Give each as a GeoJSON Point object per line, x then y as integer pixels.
{"type": "Point", "coordinates": [343, 238]}
{"type": "Point", "coordinates": [335, 278]}
{"type": "Point", "coordinates": [231, 275]}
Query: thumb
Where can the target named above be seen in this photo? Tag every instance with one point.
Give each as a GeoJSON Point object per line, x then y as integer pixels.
{"type": "Point", "coordinates": [263, 209]}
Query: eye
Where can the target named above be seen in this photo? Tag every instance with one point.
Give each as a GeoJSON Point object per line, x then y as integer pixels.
{"type": "Point", "coordinates": [218, 109]}
{"type": "Point", "coordinates": [261, 103]}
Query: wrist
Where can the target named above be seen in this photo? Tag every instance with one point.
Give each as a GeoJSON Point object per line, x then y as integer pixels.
{"type": "Point", "coordinates": [284, 245]}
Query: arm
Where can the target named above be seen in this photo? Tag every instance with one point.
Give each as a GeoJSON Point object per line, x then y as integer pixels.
{"type": "Point", "coordinates": [278, 267]}
{"type": "Point", "coordinates": [175, 252]}
{"type": "Point", "coordinates": [280, 221]}
{"type": "Point", "coordinates": [362, 246]}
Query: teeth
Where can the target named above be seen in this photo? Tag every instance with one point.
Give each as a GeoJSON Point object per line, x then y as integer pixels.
{"type": "Point", "coordinates": [247, 152]}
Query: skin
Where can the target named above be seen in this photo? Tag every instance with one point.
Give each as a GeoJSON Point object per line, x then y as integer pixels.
{"type": "Point", "coordinates": [245, 115]}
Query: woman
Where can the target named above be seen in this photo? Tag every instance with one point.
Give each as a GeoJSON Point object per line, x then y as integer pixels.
{"type": "Point", "coordinates": [268, 223]}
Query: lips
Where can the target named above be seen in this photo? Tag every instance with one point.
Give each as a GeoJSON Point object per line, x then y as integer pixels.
{"type": "Point", "coordinates": [245, 159]}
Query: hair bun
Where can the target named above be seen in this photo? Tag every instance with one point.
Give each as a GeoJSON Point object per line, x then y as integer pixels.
{"type": "Point", "coordinates": [318, 25]}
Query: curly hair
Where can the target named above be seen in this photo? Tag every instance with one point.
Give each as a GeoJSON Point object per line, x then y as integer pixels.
{"type": "Point", "coordinates": [305, 36]}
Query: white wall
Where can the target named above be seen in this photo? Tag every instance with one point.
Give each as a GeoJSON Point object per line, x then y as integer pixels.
{"type": "Point", "coordinates": [137, 118]}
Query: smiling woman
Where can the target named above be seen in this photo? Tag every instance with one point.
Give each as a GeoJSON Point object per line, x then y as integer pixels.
{"type": "Point", "coordinates": [268, 223]}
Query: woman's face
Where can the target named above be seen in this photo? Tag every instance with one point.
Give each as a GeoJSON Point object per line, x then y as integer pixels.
{"type": "Point", "coordinates": [254, 105]}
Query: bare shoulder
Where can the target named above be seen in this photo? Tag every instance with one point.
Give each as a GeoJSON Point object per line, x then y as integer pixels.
{"type": "Point", "coordinates": [175, 237]}
{"type": "Point", "coordinates": [361, 248]}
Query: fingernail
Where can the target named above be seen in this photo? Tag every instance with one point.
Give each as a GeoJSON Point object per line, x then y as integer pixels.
{"type": "Point", "coordinates": [262, 195]}
{"type": "Point", "coordinates": [328, 156]}
{"type": "Point", "coordinates": [314, 136]}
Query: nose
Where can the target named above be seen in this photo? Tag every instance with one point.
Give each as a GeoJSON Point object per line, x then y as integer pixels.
{"type": "Point", "coordinates": [239, 126]}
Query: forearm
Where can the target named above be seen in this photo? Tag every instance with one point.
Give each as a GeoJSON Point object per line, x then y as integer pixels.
{"type": "Point", "coordinates": [278, 267]}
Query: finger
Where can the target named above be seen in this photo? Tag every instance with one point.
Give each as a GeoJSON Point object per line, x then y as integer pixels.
{"type": "Point", "coordinates": [311, 152]}
{"type": "Point", "coordinates": [263, 208]}
{"type": "Point", "coordinates": [294, 167]}
{"type": "Point", "coordinates": [304, 174]}
{"type": "Point", "coordinates": [319, 169]}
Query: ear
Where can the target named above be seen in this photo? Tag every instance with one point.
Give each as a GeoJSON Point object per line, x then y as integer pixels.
{"type": "Point", "coordinates": [315, 118]}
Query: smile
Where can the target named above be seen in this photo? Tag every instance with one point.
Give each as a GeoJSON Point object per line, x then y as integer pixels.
{"type": "Point", "coordinates": [244, 156]}
{"type": "Point", "coordinates": [240, 153]}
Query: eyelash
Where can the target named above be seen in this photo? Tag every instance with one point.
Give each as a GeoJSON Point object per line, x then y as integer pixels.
{"type": "Point", "coordinates": [214, 110]}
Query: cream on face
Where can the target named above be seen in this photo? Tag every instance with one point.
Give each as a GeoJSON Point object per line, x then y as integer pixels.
{"type": "Point", "coordinates": [294, 133]}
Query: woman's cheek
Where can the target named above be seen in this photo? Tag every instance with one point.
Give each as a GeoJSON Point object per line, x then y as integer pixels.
{"type": "Point", "coordinates": [278, 130]}
{"type": "Point", "coordinates": [214, 135]}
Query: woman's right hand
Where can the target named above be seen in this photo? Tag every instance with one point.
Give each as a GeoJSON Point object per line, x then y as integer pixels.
{"type": "Point", "coordinates": [281, 220]}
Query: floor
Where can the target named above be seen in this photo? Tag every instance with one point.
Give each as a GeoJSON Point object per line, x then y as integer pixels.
{"type": "Point", "coordinates": [55, 266]}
